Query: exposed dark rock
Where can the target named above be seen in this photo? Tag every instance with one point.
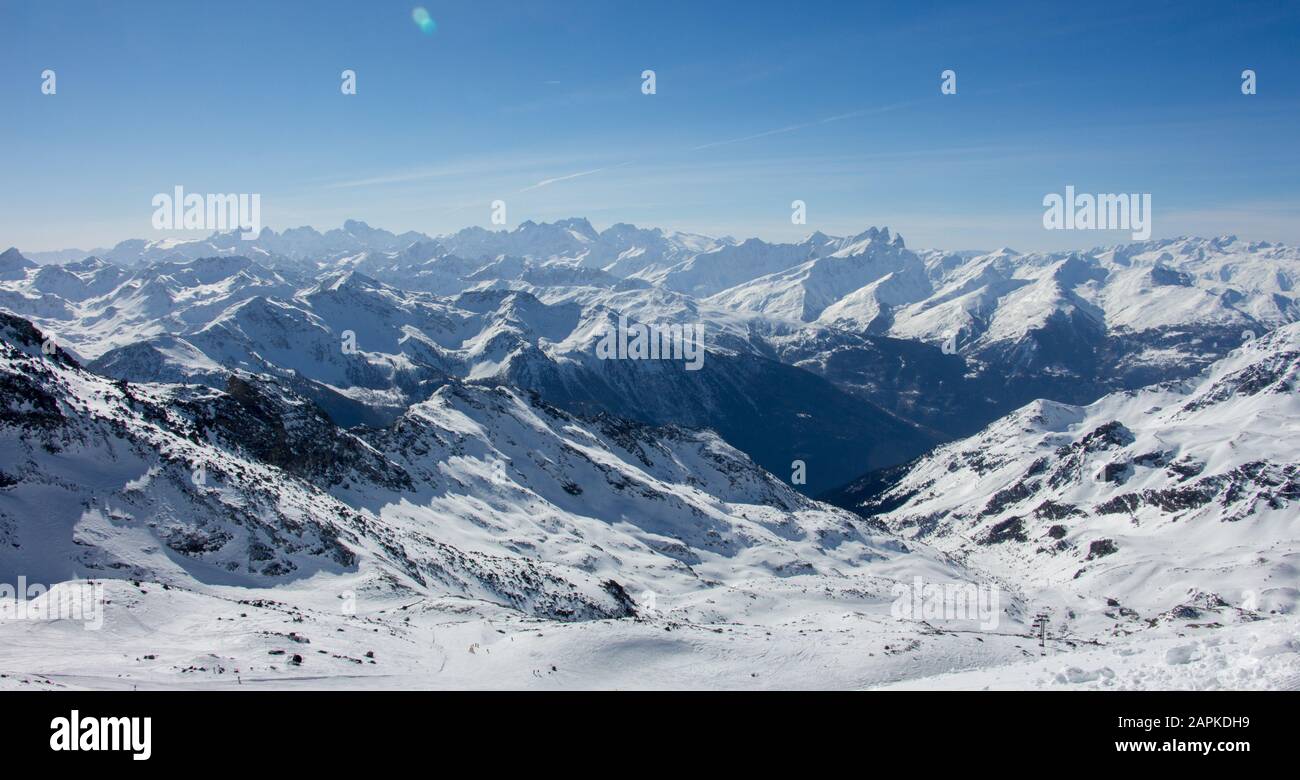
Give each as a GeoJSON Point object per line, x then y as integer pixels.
{"type": "Point", "coordinates": [1125, 503]}
{"type": "Point", "coordinates": [1004, 498]}
{"type": "Point", "coordinates": [1010, 530]}
{"type": "Point", "coordinates": [1051, 510]}
{"type": "Point", "coordinates": [1101, 548]}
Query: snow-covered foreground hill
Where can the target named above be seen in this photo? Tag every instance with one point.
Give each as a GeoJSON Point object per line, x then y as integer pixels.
{"type": "Point", "coordinates": [487, 540]}
{"type": "Point", "coordinates": [485, 492]}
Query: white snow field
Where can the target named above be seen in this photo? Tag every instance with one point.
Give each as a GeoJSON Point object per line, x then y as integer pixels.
{"type": "Point", "coordinates": [155, 638]}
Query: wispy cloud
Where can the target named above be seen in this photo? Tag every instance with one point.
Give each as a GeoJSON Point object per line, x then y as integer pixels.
{"type": "Point", "coordinates": [458, 169]}
{"type": "Point", "coordinates": [755, 136]}
{"type": "Point", "coordinates": [805, 125]}
{"type": "Point", "coordinates": [505, 165]}
{"type": "Point", "coordinates": [549, 182]}
{"type": "Point", "coordinates": [394, 178]}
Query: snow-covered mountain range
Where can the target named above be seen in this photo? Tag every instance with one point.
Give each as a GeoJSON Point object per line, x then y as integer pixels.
{"type": "Point", "coordinates": [936, 344]}
{"type": "Point", "coordinates": [429, 422]}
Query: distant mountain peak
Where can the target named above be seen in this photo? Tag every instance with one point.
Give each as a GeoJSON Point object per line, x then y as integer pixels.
{"type": "Point", "coordinates": [12, 257]}
{"type": "Point", "coordinates": [357, 227]}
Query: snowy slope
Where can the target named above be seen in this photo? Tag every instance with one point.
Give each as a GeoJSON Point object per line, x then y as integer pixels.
{"type": "Point", "coordinates": [1177, 502]}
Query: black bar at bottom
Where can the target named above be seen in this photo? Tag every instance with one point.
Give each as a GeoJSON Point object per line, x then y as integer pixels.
{"type": "Point", "coordinates": [206, 731]}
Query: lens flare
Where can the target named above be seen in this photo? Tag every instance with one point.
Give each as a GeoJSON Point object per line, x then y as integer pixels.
{"type": "Point", "coordinates": [423, 20]}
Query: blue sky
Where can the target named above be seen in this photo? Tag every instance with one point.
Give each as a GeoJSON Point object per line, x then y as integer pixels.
{"type": "Point", "coordinates": [758, 104]}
